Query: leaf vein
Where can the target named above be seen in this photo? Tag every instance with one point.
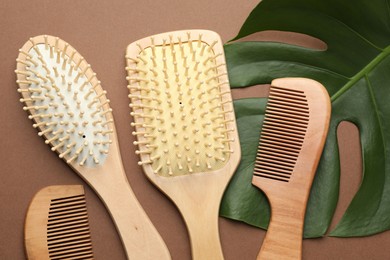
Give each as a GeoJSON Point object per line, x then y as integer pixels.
{"type": "Point", "coordinates": [355, 32]}
{"type": "Point", "coordinates": [388, 8]}
{"type": "Point", "coordinates": [376, 113]}
{"type": "Point", "coordinates": [362, 73]}
{"type": "Point", "coordinates": [302, 65]}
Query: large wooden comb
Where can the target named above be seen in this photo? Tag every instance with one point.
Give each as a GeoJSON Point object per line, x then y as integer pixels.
{"type": "Point", "coordinates": [57, 226]}
{"type": "Point", "coordinates": [291, 142]}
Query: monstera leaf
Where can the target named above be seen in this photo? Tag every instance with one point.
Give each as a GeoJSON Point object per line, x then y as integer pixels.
{"type": "Point", "coordinates": [355, 69]}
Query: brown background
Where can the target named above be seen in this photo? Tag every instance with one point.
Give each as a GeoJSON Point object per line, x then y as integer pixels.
{"type": "Point", "coordinates": [100, 31]}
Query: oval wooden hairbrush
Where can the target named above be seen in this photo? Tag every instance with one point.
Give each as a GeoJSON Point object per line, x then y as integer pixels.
{"type": "Point", "coordinates": [71, 111]}
{"type": "Point", "coordinates": [185, 126]}
{"type": "Point", "coordinates": [291, 142]}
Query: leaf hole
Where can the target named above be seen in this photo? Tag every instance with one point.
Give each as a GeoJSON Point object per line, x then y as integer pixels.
{"type": "Point", "coordinates": [351, 169]}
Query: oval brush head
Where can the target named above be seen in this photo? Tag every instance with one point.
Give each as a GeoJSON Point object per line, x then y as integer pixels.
{"type": "Point", "coordinates": [70, 109]}
{"type": "Point", "coordinates": [65, 100]}
{"type": "Point", "coordinates": [181, 103]}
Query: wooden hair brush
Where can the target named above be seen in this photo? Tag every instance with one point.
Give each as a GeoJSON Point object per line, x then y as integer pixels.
{"type": "Point", "coordinates": [71, 111]}
{"type": "Point", "coordinates": [57, 225]}
{"type": "Point", "coordinates": [291, 142]}
{"type": "Point", "coordinates": [185, 126]}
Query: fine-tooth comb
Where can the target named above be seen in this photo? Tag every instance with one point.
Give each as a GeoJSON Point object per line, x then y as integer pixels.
{"type": "Point", "coordinates": [71, 111]}
{"type": "Point", "coordinates": [185, 126]}
{"type": "Point", "coordinates": [291, 142]}
{"type": "Point", "coordinates": [57, 226]}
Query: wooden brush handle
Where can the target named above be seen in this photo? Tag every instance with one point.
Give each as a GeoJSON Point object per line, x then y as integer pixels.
{"type": "Point", "coordinates": [133, 225]}
{"type": "Point", "coordinates": [204, 234]}
{"type": "Point", "coordinates": [139, 237]}
{"type": "Point", "coordinates": [284, 236]}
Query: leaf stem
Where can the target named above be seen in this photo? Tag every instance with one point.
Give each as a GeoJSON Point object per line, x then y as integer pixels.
{"type": "Point", "coordinates": [362, 73]}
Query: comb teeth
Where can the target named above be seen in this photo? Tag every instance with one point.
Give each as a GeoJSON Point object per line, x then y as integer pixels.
{"type": "Point", "coordinates": [180, 99]}
{"type": "Point", "coordinates": [68, 235]}
{"type": "Point", "coordinates": [282, 134]}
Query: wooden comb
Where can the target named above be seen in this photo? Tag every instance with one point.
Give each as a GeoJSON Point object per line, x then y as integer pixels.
{"type": "Point", "coordinates": [57, 226]}
{"type": "Point", "coordinates": [291, 142]}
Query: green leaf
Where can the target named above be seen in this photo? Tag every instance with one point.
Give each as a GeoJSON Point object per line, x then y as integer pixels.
{"type": "Point", "coordinates": [355, 69]}
{"type": "Point", "coordinates": [249, 112]}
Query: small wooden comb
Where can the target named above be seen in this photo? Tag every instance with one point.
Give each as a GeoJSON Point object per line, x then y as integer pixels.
{"type": "Point", "coordinates": [57, 226]}
{"type": "Point", "coordinates": [291, 142]}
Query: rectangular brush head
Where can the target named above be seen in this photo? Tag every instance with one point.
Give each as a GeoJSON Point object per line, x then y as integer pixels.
{"type": "Point", "coordinates": [57, 226]}
{"type": "Point", "coordinates": [181, 102]}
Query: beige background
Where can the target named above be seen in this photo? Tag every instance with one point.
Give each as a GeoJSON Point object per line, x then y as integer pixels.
{"type": "Point", "coordinates": [100, 31]}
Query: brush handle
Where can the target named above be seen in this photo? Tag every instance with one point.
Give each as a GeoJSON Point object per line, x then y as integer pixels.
{"type": "Point", "coordinates": [134, 225]}
{"type": "Point", "coordinates": [284, 236]}
{"type": "Point", "coordinates": [139, 237]}
{"type": "Point", "coordinates": [202, 225]}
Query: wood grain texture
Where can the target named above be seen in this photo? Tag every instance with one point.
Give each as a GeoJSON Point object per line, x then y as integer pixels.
{"type": "Point", "coordinates": [57, 224]}
{"type": "Point", "coordinates": [197, 195]}
{"type": "Point", "coordinates": [139, 237]}
{"type": "Point", "coordinates": [101, 30]}
{"type": "Point", "coordinates": [288, 194]}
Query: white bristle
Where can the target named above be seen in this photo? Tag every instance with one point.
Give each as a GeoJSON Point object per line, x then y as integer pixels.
{"type": "Point", "coordinates": [54, 97]}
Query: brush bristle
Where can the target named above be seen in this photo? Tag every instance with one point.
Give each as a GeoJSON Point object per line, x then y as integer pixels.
{"type": "Point", "coordinates": [282, 134]}
{"type": "Point", "coordinates": [68, 235]}
{"type": "Point", "coordinates": [180, 97]}
{"type": "Point", "coordinates": [65, 99]}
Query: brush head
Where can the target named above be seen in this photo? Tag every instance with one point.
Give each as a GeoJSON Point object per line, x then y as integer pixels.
{"type": "Point", "coordinates": [294, 130]}
{"type": "Point", "coordinates": [57, 224]}
{"type": "Point", "coordinates": [65, 100]}
{"type": "Point", "coordinates": [181, 102]}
